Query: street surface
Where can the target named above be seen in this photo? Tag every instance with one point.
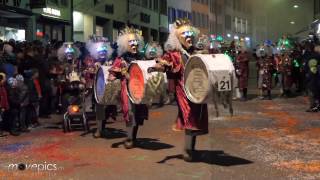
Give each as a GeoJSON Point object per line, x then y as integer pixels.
{"type": "Point", "coordinates": [264, 140]}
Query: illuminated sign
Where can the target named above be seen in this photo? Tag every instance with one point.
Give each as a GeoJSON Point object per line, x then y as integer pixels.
{"type": "Point", "coordinates": [51, 11]}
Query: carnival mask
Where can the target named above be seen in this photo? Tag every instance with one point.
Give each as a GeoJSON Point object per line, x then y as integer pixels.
{"type": "Point", "coordinates": [186, 36]}
{"type": "Point", "coordinates": [153, 50]}
{"type": "Point", "coordinates": [69, 53]}
{"type": "Point", "coordinates": [313, 66]}
{"type": "Point", "coordinates": [102, 52]}
{"type": "Point", "coordinates": [133, 43]}
{"type": "Point", "coordinates": [202, 43]}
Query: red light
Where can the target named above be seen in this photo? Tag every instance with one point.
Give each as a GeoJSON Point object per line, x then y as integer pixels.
{"type": "Point", "coordinates": [39, 33]}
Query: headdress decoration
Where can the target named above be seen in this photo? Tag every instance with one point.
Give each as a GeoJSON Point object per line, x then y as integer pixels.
{"type": "Point", "coordinates": [68, 47]}
{"type": "Point", "coordinates": [97, 44]}
{"type": "Point", "coordinates": [122, 40]}
{"type": "Point", "coordinates": [173, 42]}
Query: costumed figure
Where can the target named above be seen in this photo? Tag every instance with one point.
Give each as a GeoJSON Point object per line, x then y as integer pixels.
{"type": "Point", "coordinates": [215, 45]}
{"type": "Point", "coordinates": [265, 65]}
{"type": "Point", "coordinates": [312, 70]}
{"type": "Point", "coordinates": [130, 43]}
{"type": "Point", "coordinates": [202, 45]}
{"type": "Point", "coordinates": [242, 70]}
{"type": "Point", "coordinates": [152, 51]}
{"type": "Point", "coordinates": [192, 117]}
{"type": "Point", "coordinates": [68, 54]}
{"type": "Point", "coordinates": [285, 65]}
{"type": "Point", "coordinates": [100, 53]}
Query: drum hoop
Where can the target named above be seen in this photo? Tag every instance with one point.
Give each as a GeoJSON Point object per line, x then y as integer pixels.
{"type": "Point", "coordinates": [95, 86]}
{"type": "Point", "coordinates": [184, 81]}
{"type": "Point", "coordinates": [131, 98]}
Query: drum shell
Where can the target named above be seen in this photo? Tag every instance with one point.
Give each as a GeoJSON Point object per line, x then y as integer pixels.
{"type": "Point", "coordinates": [110, 94]}
{"type": "Point", "coordinates": [212, 66]}
{"type": "Point", "coordinates": [154, 84]}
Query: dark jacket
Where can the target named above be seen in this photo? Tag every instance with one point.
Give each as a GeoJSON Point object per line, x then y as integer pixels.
{"type": "Point", "coordinates": [13, 97]}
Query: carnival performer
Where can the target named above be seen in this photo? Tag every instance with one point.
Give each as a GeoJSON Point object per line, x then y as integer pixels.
{"type": "Point", "coordinates": [312, 70]}
{"type": "Point", "coordinates": [285, 67]}
{"type": "Point", "coordinates": [202, 45]}
{"type": "Point", "coordinates": [265, 65]}
{"type": "Point", "coordinates": [100, 53]}
{"type": "Point", "coordinates": [242, 71]}
{"type": "Point", "coordinates": [152, 51]}
{"type": "Point", "coordinates": [68, 54]}
{"type": "Point", "coordinates": [130, 44]}
{"type": "Point", "coordinates": [194, 117]}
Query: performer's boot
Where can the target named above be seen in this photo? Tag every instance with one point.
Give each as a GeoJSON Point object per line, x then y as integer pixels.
{"type": "Point", "coordinates": [245, 93]}
{"type": "Point", "coordinates": [132, 136]}
{"type": "Point", "coordinates": [100, 115]}
{"type": "Point", "coordinates": [190, 142]}
{"type": "Point", "coordinates": [269, 94]}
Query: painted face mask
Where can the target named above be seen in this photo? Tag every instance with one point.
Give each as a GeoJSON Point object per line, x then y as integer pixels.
{"type": "Point", "coordinates": [153, 50]}
{"type": "Point", "coordinates": [102, 52]}
{"type": "Point", "coordinates": [133, 43]}
{"type": "Point", "coordinates": [69, 52]}
{"type": "Point", "coordinates": [186, 36]}
{"type": "Point", "coordinates": [202, 43]}
{"type": "Point", "coordinates": [313, 63]}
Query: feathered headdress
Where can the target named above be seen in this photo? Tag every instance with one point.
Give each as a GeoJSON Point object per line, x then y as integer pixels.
{"type": "Point", "coordinates": [123, 38]}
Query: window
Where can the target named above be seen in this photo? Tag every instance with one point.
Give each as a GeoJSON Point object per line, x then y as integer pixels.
{"type": "Point", "coordinates": [150, 4]}
{"type": "Point", "coordinates": [144, 3]}
{"type": "Point", "coordinates": [64, 3]}
{"type": "Point", "coordinates": [144, 18]}
{"type": "Point", "coordinates": [156, 5]}
{"type": "Point", "coordinates": [109, 8]}
{"type": "Point", "coordinates": [228, 22]}
{"type": "Point", "coordinates": [54, 2]}
{"type": "Point", "coordinates": [163, 7]}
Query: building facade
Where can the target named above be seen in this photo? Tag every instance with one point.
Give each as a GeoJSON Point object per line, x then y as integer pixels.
{"type": "Point", "coordinates": [107, 17]}
{"type": "Point", "coordinates": [51, 19]}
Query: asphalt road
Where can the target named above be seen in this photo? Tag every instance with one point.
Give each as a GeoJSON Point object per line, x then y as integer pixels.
{"type": "Point", "coordinates": [264, 140]}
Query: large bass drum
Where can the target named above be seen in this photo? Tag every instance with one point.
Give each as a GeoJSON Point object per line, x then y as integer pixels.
{"type": "Point", "coordinates": [144, 87]}
{"type": "Point", "coordinates": [106, 92]}
{"type": "Point", "coordinates": [205, 74]}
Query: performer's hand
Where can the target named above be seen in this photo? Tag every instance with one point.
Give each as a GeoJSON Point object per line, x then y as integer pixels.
{"type": "Point", "coordinates": [151, 69]}
{"type": "Point", "coordinates": [111, 78]}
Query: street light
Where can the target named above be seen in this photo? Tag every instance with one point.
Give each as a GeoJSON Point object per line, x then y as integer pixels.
{"type": "Point", "coordinates": [292, 22]}
{"type": "Point", "coordinates": [295, 6]}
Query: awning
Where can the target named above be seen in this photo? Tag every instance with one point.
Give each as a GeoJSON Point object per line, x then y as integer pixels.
{"type": "Point", "coordinates": [51, 20]}
{"type": "Point", "coordinates": [13, 12]}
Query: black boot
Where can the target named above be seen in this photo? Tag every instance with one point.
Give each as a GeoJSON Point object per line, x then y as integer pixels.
{"type": "Point", "coordinates": [269, 94]}
{"type": "Point", "coordinates": [132, 136]}
{"type": "Point", "coordinates": [190, 142]}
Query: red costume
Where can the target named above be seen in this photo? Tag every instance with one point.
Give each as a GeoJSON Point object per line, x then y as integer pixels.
{"type": "Point", "coordinates": [242, 61]}
{"type": "Point", "coordinates": [191, 116]}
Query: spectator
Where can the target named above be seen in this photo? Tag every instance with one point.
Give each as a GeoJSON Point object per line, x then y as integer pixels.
{"type": "Point", "coordinates": [34, 96]}
{"type": "Point", "coordinates": [24, 103]}
{"type": "Point", "coordinates": [4, 104]}
{"type": "Point", "coordinates": [13, 116]}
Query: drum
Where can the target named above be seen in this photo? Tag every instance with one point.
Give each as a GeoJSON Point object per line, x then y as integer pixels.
{"type": "Point", "coordinates": [204, 74]}
{"type": "Point", "coordinates": [143, 87]}
{"type": "Point", "coordinates": [106, 92]}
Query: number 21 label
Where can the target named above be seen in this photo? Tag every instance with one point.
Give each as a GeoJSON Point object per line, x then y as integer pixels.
{"type": "Point", "coordinates": [224, 83]}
